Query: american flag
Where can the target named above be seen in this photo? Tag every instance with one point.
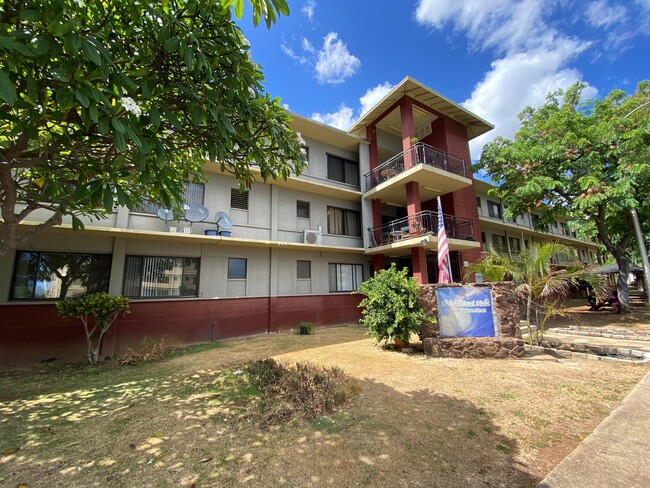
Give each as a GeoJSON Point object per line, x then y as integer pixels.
{"type": "Point", "coordinates": [444, 273]}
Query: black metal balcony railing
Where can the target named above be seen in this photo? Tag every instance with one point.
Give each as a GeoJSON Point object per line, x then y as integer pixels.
{"type": "Point", "coordinates": [421, 224]}
{"type": "Point", "coordinates": [419, 153]}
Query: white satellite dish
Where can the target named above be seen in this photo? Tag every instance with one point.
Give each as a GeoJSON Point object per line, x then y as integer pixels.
{"type": "Point", "coordinates": [196, 213]}
{"type": "Point", "coordinates": [222, 219]}
{"type": "Point", "coordinates": [165, 214]}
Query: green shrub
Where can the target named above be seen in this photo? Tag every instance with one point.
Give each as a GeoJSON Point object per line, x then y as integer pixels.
{"type": "Point", "coordinates": [97, 312]}
{"type": "Point", "coordinates": [305, 328]}
{"type": "Point", "coordinates": [391, 308]}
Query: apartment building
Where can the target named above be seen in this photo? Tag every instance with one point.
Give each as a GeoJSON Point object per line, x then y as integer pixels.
{"type": "Point", "coordinates": [292, 251]}
{"type": "Point", "coordinates": [510, 235]}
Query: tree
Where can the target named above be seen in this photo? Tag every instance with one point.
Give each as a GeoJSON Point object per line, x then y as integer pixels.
{"type": "Point", "coordinates": [106, 103]}
{"type": "Point", "coordinates": [391, 308]}
{"type": "Point", "coordinates": [541, 284]}
{"type": "Point", "coordinates": [585, 160]}
{"type": "Point", "coordinates": [97, 312]}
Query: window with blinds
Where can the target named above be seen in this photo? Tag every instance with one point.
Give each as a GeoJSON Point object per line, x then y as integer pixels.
{"type": "Point", "coordinates": [343, 222]}
{"type": "Point", "coordinates": [345, 277]}
{"type": "Point", "coordinates": [238, 199]}
{"type": "Point", "coordinates": [303, 270]}
{"type": "Point", "coordinates": [302, 209]}
{"type": "Point", "coordinates": [237, 268]}
{"type": "Point", "coordinates": [157, 276]}
{"type": "Point", "coordinates": [194, 193]}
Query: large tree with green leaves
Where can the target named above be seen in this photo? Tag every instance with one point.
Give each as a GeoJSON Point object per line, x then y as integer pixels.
{"type": "Point", "coordinates": [109, 102]}
{"type": "Point", "coordinates": [585, 160]}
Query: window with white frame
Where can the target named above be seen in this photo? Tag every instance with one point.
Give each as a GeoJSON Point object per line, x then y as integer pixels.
{"type": "Point", "coordinates": [161, 276]}
{"type": "Point", "coordinates": [345, 277]}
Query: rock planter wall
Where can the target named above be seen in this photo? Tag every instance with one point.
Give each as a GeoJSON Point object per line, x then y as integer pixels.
{"type": "Point", "coordinates": [507, 344]}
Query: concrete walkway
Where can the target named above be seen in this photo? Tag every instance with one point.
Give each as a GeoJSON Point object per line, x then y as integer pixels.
{"type": "Point", "coordinates": [616, 453]}
{"type": "Point", "coordinates": [599, 341]}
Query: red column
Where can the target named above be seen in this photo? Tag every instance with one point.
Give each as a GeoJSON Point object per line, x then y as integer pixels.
{"type": "Point", "coordinates": [419, 261]}
{"type": "Point", "coordinates": [408, 129]}
{"type": "Point", "coordinates": [371, 135]}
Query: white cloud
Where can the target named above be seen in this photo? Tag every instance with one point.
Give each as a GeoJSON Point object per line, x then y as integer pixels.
{"type": "Point", "coordinates": [308, 10]}
{"type": "Point", "coordinates": [307, 47]}
{"type": "Point", "coordinates": [335, 63]}
{"type": "Point", "coordinates": [534, 57]}
{"type": "Point", "coordinates": [292, 54]}
{"type": "Point", "coordinates": [374, 96]}
{"type": "Point", "coordinates": [346, 116]}
{"type": "Point", "coordinates": [342, 119]}
{"type": "Point", "coordinates": [600, 14]}
{"type": "Point", "coordinates": [503, 25]}
{"type": "Point", "coordinates": [517, 81]}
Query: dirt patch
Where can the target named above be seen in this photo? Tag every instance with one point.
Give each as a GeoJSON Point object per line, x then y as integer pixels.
{"type": "Point", "coordinates": [416, 422]}
{"type": "Point", "coordinates": [579, 314]}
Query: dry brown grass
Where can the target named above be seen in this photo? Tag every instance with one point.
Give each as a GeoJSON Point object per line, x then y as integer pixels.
{"type": "Point", "coordinates": [416, 422]}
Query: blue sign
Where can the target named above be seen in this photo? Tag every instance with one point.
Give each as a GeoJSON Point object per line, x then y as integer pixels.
{"type": "Point", "coordinates": [466, 311]}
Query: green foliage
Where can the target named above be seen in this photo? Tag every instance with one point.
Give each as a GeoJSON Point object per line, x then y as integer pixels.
{"type": "Point", "coordinates": [391, 308]}
{"type": "Point", "coordinates": [269, 9]}
{"type": "Point", "coordinates": [583, 160]}
{"type": "Point", "coordinates": [490, 266]}
{"type": "Point", "coordinates": [541, 284]}
{"type": "Point", "coordinates": [305, 328]}
{"type": "Point", "coordinates": [300, 391]}
{"type": "Point", "coordinates": [97, 312]}
{"type": "Point", "coordinates": [109, 103]}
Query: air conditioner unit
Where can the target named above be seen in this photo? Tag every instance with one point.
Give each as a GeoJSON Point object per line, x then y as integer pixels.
{"type": "Point", "coordinates": [313, 237]}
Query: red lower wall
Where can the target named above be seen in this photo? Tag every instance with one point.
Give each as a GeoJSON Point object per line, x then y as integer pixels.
{"type": "Point", "coordinates": [33, 332]}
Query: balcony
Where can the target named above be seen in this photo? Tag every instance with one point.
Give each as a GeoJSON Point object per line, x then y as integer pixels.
{"type": "Point", "coordinates": [398, 233]}
{"type": "Point", "coordinates": [435, 171]}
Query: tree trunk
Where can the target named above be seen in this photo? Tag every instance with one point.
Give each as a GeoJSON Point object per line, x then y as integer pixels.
{"type": "Point", "coordinates": [621, 282]}
{"type": "Point", "coordinates": [528, 306]}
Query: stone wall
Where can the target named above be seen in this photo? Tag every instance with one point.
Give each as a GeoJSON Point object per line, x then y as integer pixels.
{"type": "Point", "coordinates": [507, 344]}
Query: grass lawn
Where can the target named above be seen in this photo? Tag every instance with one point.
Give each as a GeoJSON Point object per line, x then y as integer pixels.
{"type": "Point", "coordinates": [416, 422]}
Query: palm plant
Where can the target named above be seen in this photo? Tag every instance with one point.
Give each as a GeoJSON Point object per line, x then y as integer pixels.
{"type": "Point", "coordinates": [540, 283]}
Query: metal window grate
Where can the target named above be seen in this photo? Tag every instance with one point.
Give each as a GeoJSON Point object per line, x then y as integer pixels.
{"type": "Point", "coordinates": [303, 270]}
{"type": "Point", "coordinates": [302, 209]}
{"type": "Point", "coordinates": [238, 200]}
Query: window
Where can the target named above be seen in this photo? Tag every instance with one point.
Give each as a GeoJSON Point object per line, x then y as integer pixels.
{"type": "Point", "coordinates": [343, 222]}
{"type": "Point", "coordinates": [303, 270]}
{"type": "Point", "coordinates": [494, 209]}
{"type": "Point", "coordinates": [534, 219]}
{"type": "Point", "coordinates": [238, 200]}
{"type": "Point", "coordinates": [52, 275]}
{"type": "Point", "coordinates": [478, 202]}
{"type": "Point", "coordinates": [156, 276]}
{"type": "Point", "coordinates": [345, 277]}
{"type": "Point", "coordinates": [515, 245]}
{"type": "Point", "coordinates": [499, 243]}
{"type": "Point", "coordinates": [193, 196]}
{"type": "Point", "coordinates": [302, 209]}
{"type": "Point", "coordinates": [237, 268]}
{"type": "Point", "coordinates": [343, 170]}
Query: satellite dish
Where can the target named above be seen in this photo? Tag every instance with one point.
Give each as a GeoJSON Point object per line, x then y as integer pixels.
{"type": "Point", "coordinates": [196, 213]}
{"type": "Point", "coordinates": [165, 214]}
{"type": "Point", "coordinates": [222, 219]}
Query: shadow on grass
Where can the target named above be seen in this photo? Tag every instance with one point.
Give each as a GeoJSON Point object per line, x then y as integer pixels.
{"type": "Point", "coordinates": [190, 428]}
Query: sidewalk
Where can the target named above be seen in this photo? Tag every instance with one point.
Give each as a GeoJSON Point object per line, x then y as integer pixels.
{"type": "Point", "coordinates": [617, 452]}
{"type": "Point", "coordinates": [599, 341]}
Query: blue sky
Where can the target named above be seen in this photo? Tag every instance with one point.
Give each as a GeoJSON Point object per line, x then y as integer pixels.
{"type": "Point", "coordinates": [331, 59]}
